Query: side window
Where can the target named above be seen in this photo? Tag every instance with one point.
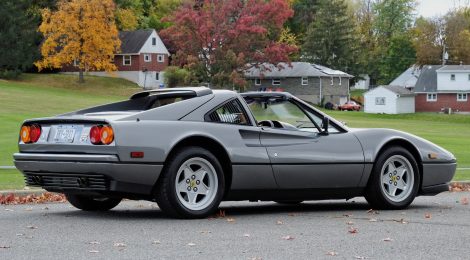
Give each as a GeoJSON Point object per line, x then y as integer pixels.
{"type": "Point", "coordinates": [229, 113]}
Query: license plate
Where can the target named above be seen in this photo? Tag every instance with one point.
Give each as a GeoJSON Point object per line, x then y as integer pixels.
{"type": "Point", "coordinates": [64, 134]}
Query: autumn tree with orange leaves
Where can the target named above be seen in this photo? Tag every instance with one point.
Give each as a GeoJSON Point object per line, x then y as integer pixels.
{"type": "Point", "coordinates": [80, 31]}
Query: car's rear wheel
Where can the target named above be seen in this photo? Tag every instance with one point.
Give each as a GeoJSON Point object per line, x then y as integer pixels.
{"type": "Point", "coordinates": [395, 180]}
{"type": "Point", "coordinates": [89, 203]}
{"type": "Point", "coordinates": [192, 184]}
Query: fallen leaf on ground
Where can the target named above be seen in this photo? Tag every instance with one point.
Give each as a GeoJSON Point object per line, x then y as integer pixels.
{"type": "Point", "coordinates": [288, 237]}
{"type": "Point", "coordinates": [464, 201]}
{"type": "Point", "coordinates": [32, 227]}
{"type": "Point", "coordinates": [456, 187]}
{"type": "Point", "coordinates": [156, 242]}
{"type": "Point", "coordinates": [230, 220]}
{"type": "Point", "coordinates": [220, 214]}
{"type": "Point", "coordinates": [11, 199]}
{"type": "Point", "coordinates": [28, 209]}
{"type": "Point", "coordinates": [387, 239]}
{"type": "Point", "coordinates": [427, 215]}
{"type": "Point", "coordinates": [372, 220]}
{"type": "Point", "coordinates": [255, 258]}
{"type": "Point", "coordinates": [331, 253]}
{"type": "Point", "coordinates": [401, 221]}
{"type": "Point", "coordinates": [279, 222]}
{"type": "Point", "coordinates": [353, 230]}
{"type": "Point", "coordinates": [94, 243]}
{"type": "Point", "coordinates": [93, 251]}
{"type": "Point", "coordinates": [246, 235]}
{"type": "Point", "coordinates": [350, 223]}
{"type": "Point", "coordinates": [360, 257]}
{"type": "Point", "coordinates": [8, 210]}
{"type": "Point", "coordinates": [120, 245]}
{"type": "Point", "coordinates": [19, 234]}
{"type": "Point", "coordinates": [372, 211]}
{"type": "Point", "coordinates": [191, 244]}
{"type": "Point", "coordinates": [347, 215]}
{"type": "Point", "coordinates": [205, 232]}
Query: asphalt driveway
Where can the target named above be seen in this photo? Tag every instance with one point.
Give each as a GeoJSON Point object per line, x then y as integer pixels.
{"type": "Point", "coordinates": [432, 228]}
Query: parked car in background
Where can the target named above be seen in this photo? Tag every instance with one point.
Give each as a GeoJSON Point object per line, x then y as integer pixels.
{"type": "Point", "coordinates": [350, 106]}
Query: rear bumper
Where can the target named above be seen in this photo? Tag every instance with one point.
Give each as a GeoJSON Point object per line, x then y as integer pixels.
{"type": "Point", "coordinates": [437, 177]}
{"type": "Point", "coordinates": [102, 174]}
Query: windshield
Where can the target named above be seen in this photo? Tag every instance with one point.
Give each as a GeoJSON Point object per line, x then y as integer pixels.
{"type": "Point", "coordinates": [280, 113]}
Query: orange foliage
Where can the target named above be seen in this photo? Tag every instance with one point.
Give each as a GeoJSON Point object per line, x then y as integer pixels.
{"type": "Point", "coordinates": [81, 30]}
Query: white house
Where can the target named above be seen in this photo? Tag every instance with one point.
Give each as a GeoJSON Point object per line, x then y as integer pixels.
{"type": "Point", "coordinates": [363, 82]}
{"type": "Point", "coordinates": [142, 59]}
{"type": "Point", "coordinates": [389, 100]}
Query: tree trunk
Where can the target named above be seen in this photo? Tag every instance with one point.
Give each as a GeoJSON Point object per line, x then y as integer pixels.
{"type": "Point", "coordinates": [81, 79]}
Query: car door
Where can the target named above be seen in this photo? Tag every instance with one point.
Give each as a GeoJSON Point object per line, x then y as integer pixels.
{"type": "Point", "coordinates": [306, 158]}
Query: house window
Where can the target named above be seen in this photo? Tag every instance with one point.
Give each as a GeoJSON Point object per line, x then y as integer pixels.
{"type": "Point", "coordinates": [147, 57]}
{"type": "Point", "coordinates": [76, 63]}
{"type": "Point", "coordinates": [304, 81]}
{"type": "Point", "coordinates": [154, 41]}
{"type": "Point", "coordinates": [340, 81]}
{"type": "Point", "coordinates": [332, 82]}
{"type": "Point", "coordinates": [468, 77]}
{"type": "Point", "coordinates": [157, 76]}
{"type": "Point", "coordinates": [276, 82]}
{"type": "Point", "coordinates": [258, 82]}
{"type": "Point", "coordinates": [126, 60]}
{"type": "Point", "coordinates": [431, 97]}
{"type": "Point", "coordinates": [462, 97]}
{"type": "Point", "coordinates": [380, 101]}
{"type": "Point", "coordinates": [160, 58]}
{"type": "Point", "coordinates": [452, 76]}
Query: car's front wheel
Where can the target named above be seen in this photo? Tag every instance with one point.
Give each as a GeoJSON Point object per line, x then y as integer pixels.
{"type": "Point", "coordinates": [192, 184]}
{"type": "Point", "coordinates": [395, 180]}
{"type": "Point", "coordinates": [92, 203]}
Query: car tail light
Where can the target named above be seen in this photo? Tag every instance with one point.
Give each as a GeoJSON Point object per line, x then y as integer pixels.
{"type": "Point", "coordinates": [101, 134]}
{"type": "Point", "coordinates": [95, 134]}
{"type": "Point", "coordinates": [107, 135]}
{"type": "Point", "coordinates": [30, 133]}
{"type": "Point", "coordinates": [35, 132]}
{"type": "Point", "coordinates": [25, 134]}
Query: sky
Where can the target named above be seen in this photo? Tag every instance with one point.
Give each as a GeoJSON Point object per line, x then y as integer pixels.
{"type": "Point", "coordinates": [431, 8]}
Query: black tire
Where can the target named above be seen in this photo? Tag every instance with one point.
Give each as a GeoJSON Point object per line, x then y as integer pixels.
{"type": "Point", "coordinates": [166, 194]}
{"type": "Point", "coordinates": [288, 202]}
{"type": "Point", "coordinates": [88, 203]}
{"type": "Point", "coordinates": [374, 192]}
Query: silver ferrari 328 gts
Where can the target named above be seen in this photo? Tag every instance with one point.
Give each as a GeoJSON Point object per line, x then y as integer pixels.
{"type": "Point", "coordinates": [190, 148]}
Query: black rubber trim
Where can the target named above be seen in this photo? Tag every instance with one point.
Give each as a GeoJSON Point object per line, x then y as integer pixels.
{"type": "Point", "coordinates": [434, 189]}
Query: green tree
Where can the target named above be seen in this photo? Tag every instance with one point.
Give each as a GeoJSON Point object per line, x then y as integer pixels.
{"type": "Point", "coordinates": [304, 14]}
{"type": "Point", "coordinates": [330, 39]}
{"type": "Point", "coordinates": [399, 56]}
{"type": "Point", "coordinates": [18, 37]}
{"type": "Point", "coordinates": [393, 17]}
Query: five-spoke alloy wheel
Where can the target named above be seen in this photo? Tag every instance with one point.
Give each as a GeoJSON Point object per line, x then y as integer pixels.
{"type": "Point", "coordinates": [192, 184]}
{"type": "Point", "coordinates": [394, 180]}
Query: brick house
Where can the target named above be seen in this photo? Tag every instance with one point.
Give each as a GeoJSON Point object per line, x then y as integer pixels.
{"type": "Point", "coordinates": [142, 59]}
{"type": "Point", "coordinates": [310, 82]}
{"type": "Point", "coordinates": [442, 87]}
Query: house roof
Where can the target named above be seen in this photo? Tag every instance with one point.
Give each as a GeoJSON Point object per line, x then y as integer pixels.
{"type": "Point", "coordinates": [454, 68]}
{"type": "Point", "coordinates": [403, 92]}
{"type": "Point", "coordinates": [408, 78]}
{"type": "Point", "coordinates": [132, 41]}
{"type": "Point", "coordinates": [427, 81]}
{"type": "Point", "coordinates": [295, 69]}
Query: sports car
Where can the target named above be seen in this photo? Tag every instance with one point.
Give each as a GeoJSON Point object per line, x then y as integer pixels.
{"type": "Point", "coordinates": [188, 149]}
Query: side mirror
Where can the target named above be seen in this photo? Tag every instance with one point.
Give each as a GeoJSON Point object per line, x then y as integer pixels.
{"type": "Point", "coordinates": [325, 125]}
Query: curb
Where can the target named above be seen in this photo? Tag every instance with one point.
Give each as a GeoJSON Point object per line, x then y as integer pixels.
{"type": "Point", "coordinates": [38, 192]}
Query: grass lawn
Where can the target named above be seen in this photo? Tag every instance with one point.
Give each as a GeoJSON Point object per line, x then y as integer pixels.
{"type": "Point", "coordinates": [40, 95]}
